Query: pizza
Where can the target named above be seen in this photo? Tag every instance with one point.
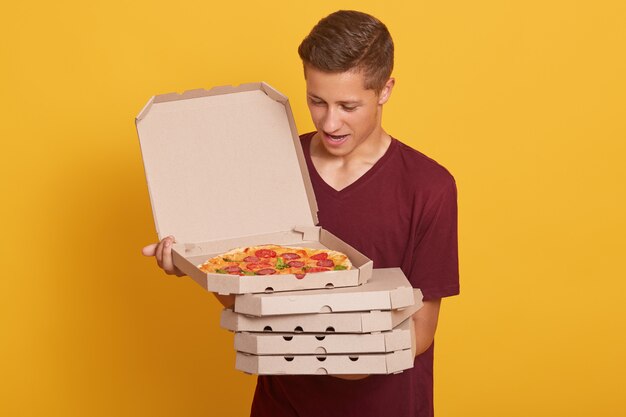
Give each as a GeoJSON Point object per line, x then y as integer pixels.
{"type": "Point", "coordinates": [276, 259]}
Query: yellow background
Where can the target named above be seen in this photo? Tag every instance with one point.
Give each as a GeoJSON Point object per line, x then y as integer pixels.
{"type": "Point", "coordinates": [524, 102]}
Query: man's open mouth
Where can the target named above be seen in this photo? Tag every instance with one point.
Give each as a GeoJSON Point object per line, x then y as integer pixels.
{"type": "Point", "coordinates": [335, 138]}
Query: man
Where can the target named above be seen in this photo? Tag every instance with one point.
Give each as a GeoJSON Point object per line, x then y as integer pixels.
{"type": "Point", "coordinates": [387, 200]}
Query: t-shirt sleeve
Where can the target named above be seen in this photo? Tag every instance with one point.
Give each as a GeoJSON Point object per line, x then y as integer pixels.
{"type": "Point", "coordinates": [434, 265]}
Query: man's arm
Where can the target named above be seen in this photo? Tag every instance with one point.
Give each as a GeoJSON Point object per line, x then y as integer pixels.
{"type": "Point", "coordinates": [425, 324]}
{"type": "Point", "coordinates": [162, 252]}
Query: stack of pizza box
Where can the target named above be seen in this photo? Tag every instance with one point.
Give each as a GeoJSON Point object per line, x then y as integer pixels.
{"type": "Point", "coordinates": [354, 330]}
{"type": "Point", "coordinates": [225, 169]}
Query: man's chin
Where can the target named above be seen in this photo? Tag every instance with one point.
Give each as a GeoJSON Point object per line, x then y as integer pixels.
{"type": "Point", "coordinates": [337, 151]}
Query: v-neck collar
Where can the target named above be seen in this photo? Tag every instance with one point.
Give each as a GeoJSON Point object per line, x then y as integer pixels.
{"type": "Point", "coordinates": [306, 145]}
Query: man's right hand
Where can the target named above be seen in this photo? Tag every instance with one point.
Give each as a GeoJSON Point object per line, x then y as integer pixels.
{"type": "Point", "coordinates": [162, 251]}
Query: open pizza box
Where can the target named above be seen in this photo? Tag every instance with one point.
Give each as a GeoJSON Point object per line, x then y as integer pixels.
{"type": "Point", "coordinates": [396, 339]}
{"type": "Point", "coordinates": [349, 322]}
{"type": "Point", "coordinates": [225, 169]}
{"type": "Point", "coordinates": [387, 289]}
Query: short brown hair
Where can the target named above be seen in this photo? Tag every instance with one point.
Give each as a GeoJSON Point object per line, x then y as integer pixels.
{"type": "Point", "coordinates": [350, 40]}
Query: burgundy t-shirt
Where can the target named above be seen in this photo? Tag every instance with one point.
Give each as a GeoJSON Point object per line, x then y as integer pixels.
{"type": "Point", "coordinates": [400, 213]}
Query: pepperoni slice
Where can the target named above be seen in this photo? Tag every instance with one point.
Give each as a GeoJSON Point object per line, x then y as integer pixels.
{"type": "Point", "coordinates": [296, 264]}
{"type": "Point", "coordinates": [325, 262]}
{"type": "Point", "coordinates": [316, 269]}
{"type": "Point", "coordinates": [232, 268]}
{"type": "Point", "coordinates": [254, 265]}
{"type": "Point", "coordinates": [266, 271]}
{"type": "Point", "coordinates": [320, 256]}
{"type": "Point", "coordinates": [289, 256]}
{"type": "Point", "coordinates": [251, 259]}
{"type": "Point", "coordinates": [300, 276]}
{"type": "Point", "coordinates": [265, 253]}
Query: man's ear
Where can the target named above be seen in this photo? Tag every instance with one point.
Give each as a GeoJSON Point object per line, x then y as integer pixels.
{"type": "Point", "coordinates": [385, 93]}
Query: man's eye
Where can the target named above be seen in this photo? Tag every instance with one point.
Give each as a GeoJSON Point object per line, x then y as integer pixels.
{"type": "Point", "coordinates": [349, 108]}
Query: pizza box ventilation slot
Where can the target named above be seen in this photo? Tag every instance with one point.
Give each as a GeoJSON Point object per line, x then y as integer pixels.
{"type": "Point", "coordinates": [225, 169]}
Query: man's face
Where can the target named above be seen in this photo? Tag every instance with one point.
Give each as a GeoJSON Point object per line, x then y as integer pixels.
{"type": "Point", "coordinates": [345, 114]}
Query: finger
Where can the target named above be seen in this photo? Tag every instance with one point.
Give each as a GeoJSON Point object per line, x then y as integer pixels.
{"type": "Point", "coordinates": [149, 250]}
{"type": "Point", "coordinates": [162, 248]}
{"type": "Point", "coordinates": [158, 254]}
{"type": "Point", "coordinates": [166, 259]}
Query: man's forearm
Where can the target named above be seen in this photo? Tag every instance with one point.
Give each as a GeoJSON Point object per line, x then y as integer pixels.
{"type": "Point", "coordinates": [425, 324]}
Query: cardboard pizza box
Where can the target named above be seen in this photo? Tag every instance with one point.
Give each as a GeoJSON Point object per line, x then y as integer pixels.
{"type": "Point", "coordinates": [225, 169]}
{"type": "Point", "coordinates": [398, 338]}
{"type": "Point", "coordinates": [370, 363]}
{"type": "Point", "coordinates": [350, 322]}
{"type": "Point", "coordinates": [387, 289]}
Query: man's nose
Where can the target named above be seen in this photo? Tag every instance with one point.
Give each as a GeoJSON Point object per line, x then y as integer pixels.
{"type": "Point", "coordinates": [332, 121]}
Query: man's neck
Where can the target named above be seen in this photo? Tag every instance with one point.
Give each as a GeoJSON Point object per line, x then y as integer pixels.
{"type": "Point", "coordinates": [341, 171]}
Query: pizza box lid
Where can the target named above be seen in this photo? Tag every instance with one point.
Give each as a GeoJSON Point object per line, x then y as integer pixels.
{"type": "Point", "coordinates": [387, 289]}
{"type": "Point", "coordinates": [225, 162]}
{"type": "Point", "coordinates": [349, 322]}
{"type": "Point", "coordinates": [369, 363]}
{"type": "Point", "coordinates": [398, 338]}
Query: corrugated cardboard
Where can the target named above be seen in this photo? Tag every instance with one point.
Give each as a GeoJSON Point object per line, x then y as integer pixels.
{"type": "Point", "coordinates": [225, 169]}
{"type": "Point", "coordinates": [387, 289]}
{"type": "Point", "coordinates": [357, 322]}
{"type": "Point", "coordinates": [375, 363]}
{"type": "Point", "coordinates": [321, 344]}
